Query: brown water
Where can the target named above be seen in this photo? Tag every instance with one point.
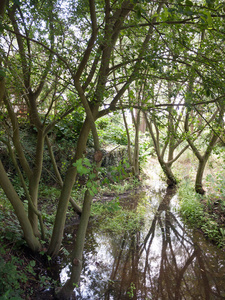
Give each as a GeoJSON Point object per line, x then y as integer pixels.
{"type": "Point", "coordinates": [165, 260]}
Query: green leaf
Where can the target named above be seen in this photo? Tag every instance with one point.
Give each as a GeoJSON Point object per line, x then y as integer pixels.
{"type": "Point", "coordinates": [89, 184]}
{"type": "Point", "coordinates": [86, 161]}
{"type": "Point", "coordinates": [92, 176]}
{"type": "Point", "coordinates": [32, 263]}
{"type": "Point", "coordinates": [3, 72]}
{"type": "Point", "coordinates": [188, 3]}
{"type": "Point", "coordinates": [94, 190]}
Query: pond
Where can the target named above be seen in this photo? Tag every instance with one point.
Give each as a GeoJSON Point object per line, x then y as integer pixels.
{"type": "Point", "coordinates": [165, 260]}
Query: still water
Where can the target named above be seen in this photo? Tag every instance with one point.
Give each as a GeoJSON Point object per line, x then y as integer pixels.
{"type": "Point", "coordinates": [165, 260]}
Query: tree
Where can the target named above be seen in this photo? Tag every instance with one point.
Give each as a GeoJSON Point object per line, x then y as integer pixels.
{"type": "Point", "coordinates": [94, 51]}
{"type": "Point", "coordinates": [166, 127]}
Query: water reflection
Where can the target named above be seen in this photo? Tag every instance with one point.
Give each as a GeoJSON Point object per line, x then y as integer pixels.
{"type": "Point", "coordinates": [163, 261]}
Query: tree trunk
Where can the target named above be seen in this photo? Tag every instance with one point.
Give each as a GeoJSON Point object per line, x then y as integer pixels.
{"type": "Point", "coordinates": [2, 78]}
{"type": "Point", "coordinates": [199, 176]}
{"type": "Point", "coordinates": [128, 137]}
{"type": "Point", "coordinates": [69, 181]}
{"type": "Point", "coordinates": [166, 167]}
{"type": "Point", "coordinates": [136, 121]}
{"type": "Point", "coordinates": [76, 208]}
{"type": "Point", "coordinates": [66, 291]}
{"type": "Point", "coordinates": [34, 182]}
{"type": "Point", "coordinates": [20, 212]}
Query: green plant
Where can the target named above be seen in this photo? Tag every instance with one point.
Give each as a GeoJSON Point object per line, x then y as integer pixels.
{"type": "Point", "coordinates": [216, 185]}
{"type": "Point", "coordinates": [191, 207]}
{"type": "Point", "coordinates": [13, 278]}
{"type": "Point", "coordinates": [116, 219]}
{"type": "Point", "coordinates": [194, 209]}
{"type": "Point", "coordinates": [116, 173]}
{"type": "Point", "coordinates": [131, 289]}
{"type": "Point", "coordinates": [111, 132]}
{"type": "Point", "coordinates": [84, 167]}
{"type": "Point", "coordinates": [10, 228]}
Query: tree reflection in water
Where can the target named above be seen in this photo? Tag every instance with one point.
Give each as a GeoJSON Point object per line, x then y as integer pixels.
{"type": "Point", "coordinates": [164, 261]}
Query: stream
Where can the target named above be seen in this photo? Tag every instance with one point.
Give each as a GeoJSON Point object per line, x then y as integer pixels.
{"type": "Point", "coordinates": [165, 260]}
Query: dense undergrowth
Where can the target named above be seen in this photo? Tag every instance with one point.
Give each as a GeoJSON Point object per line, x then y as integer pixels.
{"type": "Point", "coordinates": [206, 213]}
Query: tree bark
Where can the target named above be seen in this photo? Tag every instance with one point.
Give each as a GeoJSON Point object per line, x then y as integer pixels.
{"type": "Point", "coordinates": [199, 176]}
{"type": "Point", "coordinates": [76, 208]}
{"type": "Point", "coordinates": [166, 166]}
{"type": "Point", "coordinates": [136, 121]}
{"type": "Point", "coordinates": [20, 212]}
{"type": "Point", "coordinates": [34, 182]}
{"type": "Point", "coordinates": [77, 255]}
{"type": "Point", "coordinates": [69, 181]}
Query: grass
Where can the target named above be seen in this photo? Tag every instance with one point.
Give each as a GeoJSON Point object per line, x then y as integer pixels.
{"type": "Point", "coordinates": [201, 213]}
{"type": "Point", "coordinates": [207, 212]}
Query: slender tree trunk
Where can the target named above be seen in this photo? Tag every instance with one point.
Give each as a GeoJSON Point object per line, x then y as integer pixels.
{"type": "Point", "coordinates": [35, 181]}
{"type": "Point", "coordinates": [20, 212]}
{"type": "Point", "coordinates": [69, 181]}
{"type": "Point", "coordinates": [2, 78]}
{"type": "Point", "coordinates": [77, 254]}
{"type": "Point", "coordinates": [136, 121]}
{"type": "Point", "coordinates": [128, 137]}
{"type": "Point", "coordinates": [166, 167]}
{"type": "Point", "coordinates": [202, 159]}
{"type": "Point", "coordinates": [136, 152]}
{"type": "Point", "coordinates": [199, 176]}
{"type": "Point", "coordinates": [66, 291]}
{"type": "Point", "coordinates": [76, 208]}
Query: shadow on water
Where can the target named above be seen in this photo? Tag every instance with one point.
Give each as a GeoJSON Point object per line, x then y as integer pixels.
{"type": "Point", "coordinates": [165, 260]}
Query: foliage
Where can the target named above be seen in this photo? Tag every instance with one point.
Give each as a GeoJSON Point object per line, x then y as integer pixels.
{"type": "Point", "coordinates": [194, 210]}
{"type": "Point", "coordinates": [121, 186]}
{"type": "Point", "coordinates": [111, 130]}
{"type": "Point", "coordinates": [69, 128]}
{"type": "Point", "coordinates": [13, 278]}
{"type": "Point", "coordinates": [216, 185]}
{"type": "Point", "coordinates": [130, 291]}
{"type": "Point", "coordinates": [10, 229]}
{"type": "Point", "coordinates": [84, 167]}
{"type": "Point", "coordinates": [146, 148]}
{"type": "Point", "coordinates": [115, 173]}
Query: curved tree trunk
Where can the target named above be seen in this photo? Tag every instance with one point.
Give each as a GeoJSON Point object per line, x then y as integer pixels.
{"type": "Point", "coordinates": [202, 159]}
{"type": "Point", "coordinates": [166, 167]}
{"type": "Point", "coordinates": [20, 212]}
{"type": "Point", "coordinates": [2, 78]}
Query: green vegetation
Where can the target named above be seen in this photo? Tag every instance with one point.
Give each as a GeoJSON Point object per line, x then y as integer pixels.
{"type": "Point", "coordinates": [118, 218]}
{"type": "Point", "coordinates": [203, 212]}
{"type": "Point", "coordinates": [14, 274]}
{"type": "Point", "coordinates": [79, 79]}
